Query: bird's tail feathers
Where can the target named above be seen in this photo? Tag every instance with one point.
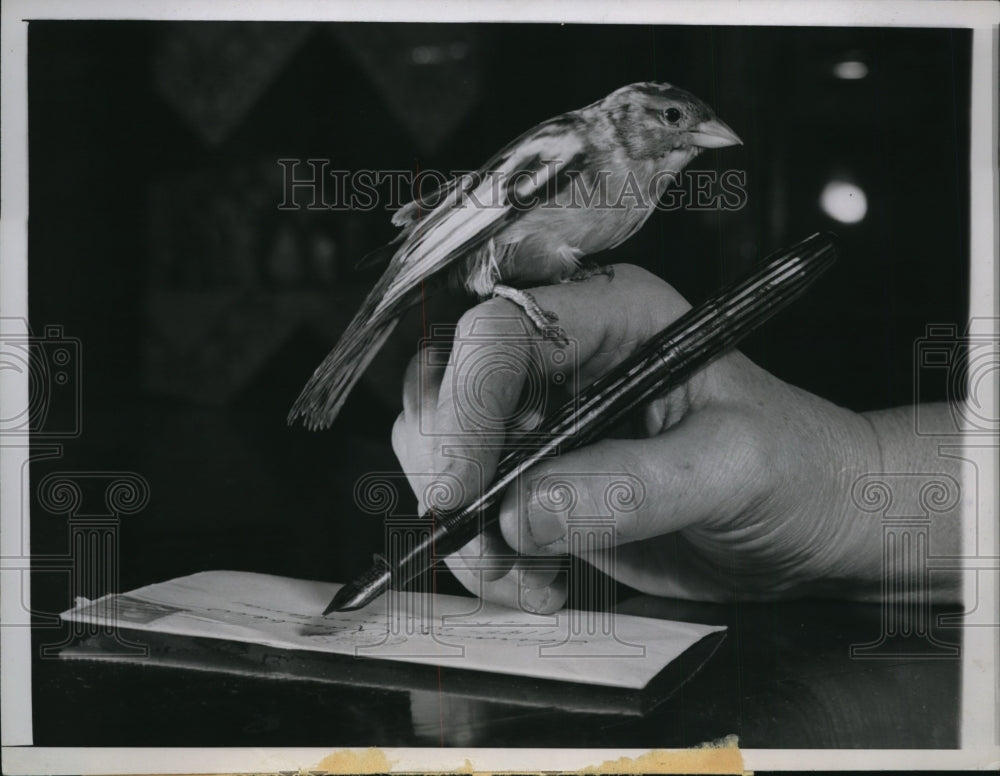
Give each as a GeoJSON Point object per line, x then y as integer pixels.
{"type": "Point", "coordinates": [327, 390]}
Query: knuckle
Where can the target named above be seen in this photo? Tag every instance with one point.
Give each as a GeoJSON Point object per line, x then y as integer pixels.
{"type": "Point", "coordinates": [398, 436]}
{"type": "Point", "coordinates": [632, 273]}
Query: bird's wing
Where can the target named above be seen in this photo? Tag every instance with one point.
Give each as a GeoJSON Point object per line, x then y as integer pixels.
{"type": "Point", "coordinates": [411, 212]}
{"type": "Point", "coordinates": [477, 208]}
{"type": "Point", "coordinates": [481, 204]}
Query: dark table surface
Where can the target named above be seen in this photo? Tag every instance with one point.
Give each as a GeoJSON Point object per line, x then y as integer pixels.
{"type": "Point", "coordinates": [781, 678]}
{"type": "Point", "coordinates": [220, 489]}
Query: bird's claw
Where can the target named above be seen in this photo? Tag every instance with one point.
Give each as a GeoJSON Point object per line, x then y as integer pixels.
{"type": "Point", "coordinates": [557, 335]}
{"type": "Point", "coordinates": [542, 319]}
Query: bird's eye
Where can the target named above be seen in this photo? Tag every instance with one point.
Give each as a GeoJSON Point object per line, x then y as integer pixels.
{"type": "Point", "coordinates": [672, 115]}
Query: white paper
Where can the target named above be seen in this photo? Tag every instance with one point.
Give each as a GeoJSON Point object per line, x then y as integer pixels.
{"type": "Point", "coordinates": [592, 648]}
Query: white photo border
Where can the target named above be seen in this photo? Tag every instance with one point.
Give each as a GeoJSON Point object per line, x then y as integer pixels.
{"type": "Point", "coordinates": [979, 742]}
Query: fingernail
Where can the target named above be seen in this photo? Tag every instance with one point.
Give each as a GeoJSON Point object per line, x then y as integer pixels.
{"type": "Point", "coordinates": [545, 524]}
{"type": "Point", "coordinates": [536, 600]}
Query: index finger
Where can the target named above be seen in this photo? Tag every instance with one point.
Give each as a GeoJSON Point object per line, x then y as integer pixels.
{"type": "Point", "coordinates": [500, 372]}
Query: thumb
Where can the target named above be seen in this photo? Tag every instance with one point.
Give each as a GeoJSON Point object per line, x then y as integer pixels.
{"type": "Point", "coordinates": [702, 471]}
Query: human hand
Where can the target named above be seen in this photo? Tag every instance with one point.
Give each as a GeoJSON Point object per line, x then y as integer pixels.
{"type": "Point", "coordinates": [744, 481]}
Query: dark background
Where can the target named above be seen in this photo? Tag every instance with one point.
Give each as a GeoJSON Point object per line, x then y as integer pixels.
{"type": "Point", "coordinates": [155, 238]}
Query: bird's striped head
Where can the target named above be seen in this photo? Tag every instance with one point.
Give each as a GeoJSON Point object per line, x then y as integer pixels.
{"type": "Point", "coordinates": [651, 119]}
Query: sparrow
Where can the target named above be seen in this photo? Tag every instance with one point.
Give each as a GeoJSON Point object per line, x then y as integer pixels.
{"type": "Point", "coordinates": [579, 183]}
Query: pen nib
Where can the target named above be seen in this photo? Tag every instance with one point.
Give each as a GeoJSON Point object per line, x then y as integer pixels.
{"type": "Point", "coordinates": [344, 601]}
{"type": "Point", "coordinates": [361, 591]}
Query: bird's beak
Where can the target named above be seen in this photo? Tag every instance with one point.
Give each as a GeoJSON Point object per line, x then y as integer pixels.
{"type": "Point", "coordinates": [713, 134]}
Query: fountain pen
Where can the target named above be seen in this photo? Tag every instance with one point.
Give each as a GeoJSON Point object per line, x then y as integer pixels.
{"type": "Point", "coordinates": [665, 361]}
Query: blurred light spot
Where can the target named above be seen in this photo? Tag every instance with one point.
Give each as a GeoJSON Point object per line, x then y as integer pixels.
{"type": "Point", "coordinates": [844, 202]}
{"type": "Point", "coordinates": [427, 55]}
{"type": "Point", "coordinates": [435, 55]}
{"type": "Point", "coordinates": [323, 256]}
{"type": "Point", "coordinates": [850, 70]}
